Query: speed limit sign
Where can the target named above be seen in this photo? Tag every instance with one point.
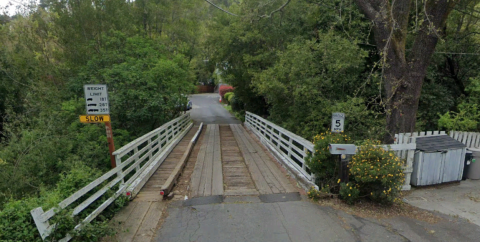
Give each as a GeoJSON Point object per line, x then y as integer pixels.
{"type": "Point", "coordinates": [338, 121]}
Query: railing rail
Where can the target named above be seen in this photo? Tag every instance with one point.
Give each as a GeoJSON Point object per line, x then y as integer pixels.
{"type": "Point", "coordinates": [132, 161]}
{"type": "Point", "coordinates": [470, 139]}
{"type": "Point", "coordinates": [290, 146]}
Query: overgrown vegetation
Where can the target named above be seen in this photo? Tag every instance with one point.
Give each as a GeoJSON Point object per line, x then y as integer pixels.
{"type": "Point", "coordinates": [47, 53]}
{"type": "Point", "coordinates": [374, 173]}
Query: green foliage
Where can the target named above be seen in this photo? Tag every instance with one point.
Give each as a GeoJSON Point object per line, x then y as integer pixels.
{"type": "Point", "coordinates": [349, 192]}
{"type": "Point", "coordinates": [148, 82]}
{"type": "Point", "coordinates": [375, 173]}
{"type": "Point", "coordinates": [467, 119]}
{"type": "Point", "coordinates": [16, 223]}
{"type": "Point", "coordinates": [237, 104]}
{"type": "Point", "coordinates": [228, 96]}
{"type": "Point", "coordinates": [323, 164]}
{"type": "Point", "coordinates": [303, 86]}
{"type": "Point", "coordinates": [317, 194]}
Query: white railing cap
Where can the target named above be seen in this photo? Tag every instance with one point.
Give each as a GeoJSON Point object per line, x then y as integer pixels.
{"type": "Point", "coordinates": [128, 147]}
{"type": "Point", "coordinates": [307, 144]}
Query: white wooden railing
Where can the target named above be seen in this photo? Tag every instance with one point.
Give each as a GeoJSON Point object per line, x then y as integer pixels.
{"type": "Point", "coordinates": [470, 139]}
{"type": "Point", "coordinates": [290, 146]}
{"type": "Point", "coordinates": [294, 148]}
{"type": "Point", "coordinates": [134, 162]}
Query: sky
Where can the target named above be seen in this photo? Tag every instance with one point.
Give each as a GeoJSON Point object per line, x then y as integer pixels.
{"type": "Point", "coordinates": [11, 9]}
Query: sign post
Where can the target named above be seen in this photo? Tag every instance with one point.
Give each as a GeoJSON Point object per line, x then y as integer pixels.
{"type": "Point", "coordinates": [338, 123]}
{"type": "Point", "coordinates": [111, 145]}
{"type": "Point", "coordinates": [98, 111]}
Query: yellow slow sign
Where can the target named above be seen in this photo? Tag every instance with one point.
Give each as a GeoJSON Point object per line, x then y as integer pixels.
{"type": "Point", "coordinates": [94, 118]}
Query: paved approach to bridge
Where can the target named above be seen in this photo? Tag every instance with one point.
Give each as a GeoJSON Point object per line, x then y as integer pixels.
{"type": "Point", "coordinates": [231, 188]}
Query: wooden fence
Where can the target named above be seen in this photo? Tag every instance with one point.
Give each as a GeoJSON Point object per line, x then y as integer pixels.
{"type": "Point", "coordinates": [135, 162]}
{"type": "Point", "coordinates": [470, 139]}
{"type": "Point", "coordinates": [205, 89]}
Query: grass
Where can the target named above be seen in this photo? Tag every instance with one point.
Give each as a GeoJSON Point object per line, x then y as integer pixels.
{"type": "Point", "coordinates": [237, 115]}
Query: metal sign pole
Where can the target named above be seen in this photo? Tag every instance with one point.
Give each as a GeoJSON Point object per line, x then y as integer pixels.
{"type": "Point", "coordinates": [111, 145]}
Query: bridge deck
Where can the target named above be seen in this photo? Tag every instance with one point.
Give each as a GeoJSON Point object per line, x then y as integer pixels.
{"type": "Point", "coordinates": [138, 221]}
{"type": "Point", "coordinates": [247, 169]}
{"type": "Point", "coordinates": [226, 160]}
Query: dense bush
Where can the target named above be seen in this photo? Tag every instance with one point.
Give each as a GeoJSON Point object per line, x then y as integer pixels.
{"type": "Point", "coordinates": [228, 96]}
{"type": "Point", "coordinates": [377, 173]}
{"type": "Point", "coordinates": [237, 104]}
{"type": "Point", "coordinates": [323, 164]}
{"type": "Point", "coordinates": [16, 222]}
{"type": "Point", "coordinates": [223, 90]}
{"type": "Point", "coordinates": [374, 173]}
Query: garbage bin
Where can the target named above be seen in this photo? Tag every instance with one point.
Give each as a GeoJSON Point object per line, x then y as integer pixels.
{"type": "Point", "coordinates": [466, 166]}
{"type": "Point", "coordinates": [474, 167]}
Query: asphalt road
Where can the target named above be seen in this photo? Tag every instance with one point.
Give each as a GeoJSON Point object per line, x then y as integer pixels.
{"type": "Point", "coordinates": [207, 109]}
{"type": "Point", "coordinates": [249, 219]}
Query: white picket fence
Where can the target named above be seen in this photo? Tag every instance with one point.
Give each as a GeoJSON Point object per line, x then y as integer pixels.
{"type": "Point", "coordinates": [285, 145]}
{"type": "Point", "coordinates": [470, 139]}
{"type": "Point", "coordinates": [134, 162]}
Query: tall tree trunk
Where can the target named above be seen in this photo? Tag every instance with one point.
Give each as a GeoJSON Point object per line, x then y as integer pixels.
{"type": "Point", "coordinates": [403, 73]}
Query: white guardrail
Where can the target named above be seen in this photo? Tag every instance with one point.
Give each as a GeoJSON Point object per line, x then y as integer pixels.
{"type": "Point", "coordinates": [292, 149]}
{"type": "Point", "coordinates": [135, 162]}
{"type": "Point", "coordinates": [288, 147]}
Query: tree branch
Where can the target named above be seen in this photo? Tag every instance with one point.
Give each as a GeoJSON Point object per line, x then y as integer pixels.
{"type": "Point", "coordinates": [436, 13]}
{"type": "Point", "coordinates": [221, 8]}
{"type": "Point", "coordinates": [274, 11]}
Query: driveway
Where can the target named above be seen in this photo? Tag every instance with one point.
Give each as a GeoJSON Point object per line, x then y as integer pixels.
{"type": "Point", "coordinates": [207, 109]}
{"type": "Point", "coordinates": [458, 199]}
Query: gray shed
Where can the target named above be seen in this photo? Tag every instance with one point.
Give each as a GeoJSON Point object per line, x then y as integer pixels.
{"type": "Point", "coordinates": [438, 159]}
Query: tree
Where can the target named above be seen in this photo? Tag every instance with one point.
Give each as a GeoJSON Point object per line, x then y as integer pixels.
{"type": "Point", "coordinates": [403, 71]}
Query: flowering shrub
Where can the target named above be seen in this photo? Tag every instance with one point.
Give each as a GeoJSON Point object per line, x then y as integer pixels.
{"type": "Point", "coordinates": [349, 192]}
{"type": "Point", "coordinates": [322, 163]}
{"type": "Point", "coordinates": [224, 89]}
{"type": "Point", "coordinates": [316, 194]}
{"type": "Point", "coordinates": [376, 173]}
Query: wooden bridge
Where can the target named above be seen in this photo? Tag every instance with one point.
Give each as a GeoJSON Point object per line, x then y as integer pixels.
{"type": "Point", "coordinates": [192, 164]}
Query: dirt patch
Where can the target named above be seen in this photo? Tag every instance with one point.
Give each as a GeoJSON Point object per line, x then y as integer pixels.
{"type": "Point", "coordinates": [369, 209]}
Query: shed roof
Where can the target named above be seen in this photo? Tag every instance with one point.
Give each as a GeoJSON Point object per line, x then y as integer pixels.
{"type": "Point", "coordinates": [437, 143]}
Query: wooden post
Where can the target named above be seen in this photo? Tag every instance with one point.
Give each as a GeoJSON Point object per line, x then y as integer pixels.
{"type": "Point", "coordinates": [343, 168]}
{"type": "Point", "coordinates": [111, 145]}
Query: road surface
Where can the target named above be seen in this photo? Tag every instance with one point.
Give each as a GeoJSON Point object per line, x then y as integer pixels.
{"type": "Point", "coordinates": [207, 109]}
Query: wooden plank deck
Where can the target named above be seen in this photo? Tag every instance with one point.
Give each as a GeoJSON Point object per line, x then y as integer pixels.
{"type": "Point", "coordinates": [236, 176]}
{"type": "Point", "coordinates": [138, 221]}
{"type": "Point", "coordinates": [267, 176]}
{"type": "Point", "coordinates": [207, 178]}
